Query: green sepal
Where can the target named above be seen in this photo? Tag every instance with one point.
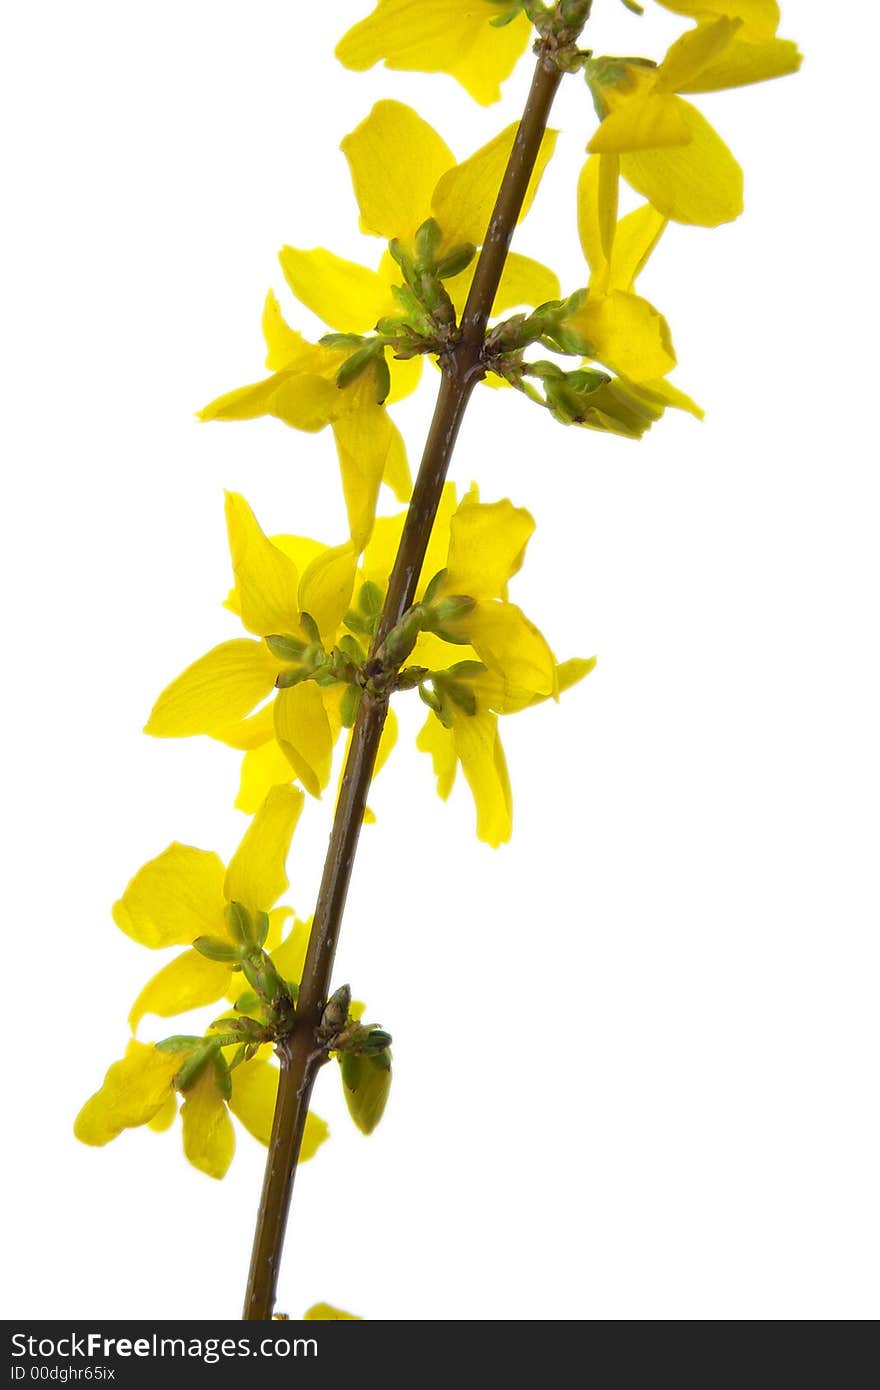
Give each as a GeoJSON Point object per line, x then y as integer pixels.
{"type": "Point", "coordinates": [215, 948]}
{"type": "Point", "coordinates": [356, 623]}
{"type": "Point", "coordinates": [460, 695]}
{"type": "Point", "coordinates": [434, 586]}
{"type": "Point", "coordinates": [448, 610]}
{"type": "Point", "coordinates": [241, 925]}
{"type": "Point", "coordinates": [370, 599]}
{"type": "Point", "coordinates": [285, 647]}
{"type": "Point", "coordinates": [353, 366]}
{"type": "Point", "coordinates": [351, 647]}
{"type": "Point", "coordinates": [349, 706]}
{"type": "Point", "coordinates": [180, 1042]}
{"type": "Point", "coordinates": [310, 628]}
{"type": "Point", "coordinates": [341, 340]}
{"type": "Point", "coordinates": [382, 373]}
{"type": "Point", "coordinates": [195, 1064]}
{"type": "Point", "coordinates": [427, 244]}
{"type": "Point", "coordinates": [292, 676]}
{"type": "Point", "coordinates": [221, 1071]}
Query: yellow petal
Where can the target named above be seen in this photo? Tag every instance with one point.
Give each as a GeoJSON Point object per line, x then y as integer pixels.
{"type": "Point", "coordinates": [244, 403]}
{"type": "Point", "coordinates": [257, 876]}
{"type": "Point", "coordinates": [133, 1092]}
{"type": "Point", "coordinates": [597, 197]}
{"type": "Point", "coordinates": [248, 733]}
{"type": "Point", "coordinates": [759, 18]}
{"type": "Point", "coordinates": [643, 121]}
{"type": "Point", "coordinates": [510, 644]}
{"type": "Point", "coordinates": [635, 238]}
{"type": "Point", "coordinates": [486, 547]}
{"type": "Point", "coordinates": [262, 768]}
{"type": "Point", "coordinates": [625, 333]}
{"type": "Point", "coordinates": [173, 899]}
{"type": "Point", "coordinates": [285, 348]}
{"type": "Point", "coordinates": [465, 196]}
{"type": "Point", "coordinates": [187, 982]}
{"type": "Point", "coordinates": [303, 732]}
{"type": "Point", "coordinates": [699, 183]}
{"type": "Point", "coordinates": [289, 958]}
{"type": "Point", "coordinates": [524, 283]}
{"type": "Point", "coordinates": [482, 67]}
{"type": "Point", "coordinates": [325, 1312]}
{"type": "Point", "coordinates": [690, 55]}
{"type": "Point", "coordinates": [208, 1136]}
{"type": "Point", "coordinates": [166, 1115]}
{"type": "Point", "coordinates": [439, 36]}
{"type": "Point", "coordinates": [254, 1091]}
{"type": "Point", "coordinates": [496, 694]}
{"type": "Point", "coordinates": [397, 474]}
{"type": "Point", "coordinates": [215, 691]}
{"type": "Point", "coordinates": [325, 589]}
{"type": "Point", "coordinates": [439, 742]}
{"type": "Point", "coordinates": [386, 742]}
{"type": "Point", "coordinates": [395, 160]}
{"type": "Point", "coordinates": [406, 373]}
{"type": "Point", "coordinates": [266, 580]}
{"type": "Point", "coordinates": [347, 296]}
{"type": "Point", "coordinates": [305, 401]}
{"type": "Point", "coordinates": [667, 394]}
{"type": "Point", "coordinates": [363, 440]}
{"type": "Point", "coordinates": [479, 750]}
{"type": "Point", "coordinates": [743, 63]}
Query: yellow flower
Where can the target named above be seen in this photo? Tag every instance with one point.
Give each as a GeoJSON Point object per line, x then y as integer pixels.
{"type": "Point", "coordinates": [668, 151]}
{"type": "Point", "coordinates": [276, 583]}
{"type": "Point", "coordinates": [454, 36]}
{"type": "Point", "coordinates": [490, 661]}
{"type": "Point", "coordinates": [302, 392]}
{"type": "Point", "coordinates": [403, 174]}
{"type": "Point", "coordinates": [618, 327]}
{"type": "Point", "coordinates": [325, 1312]}
{"type": "Point", "coordinates": [141, 1089]}
{"type": "Point", "coordinates": [184, 894]}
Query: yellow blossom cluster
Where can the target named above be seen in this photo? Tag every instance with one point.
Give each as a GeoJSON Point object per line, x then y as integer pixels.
{"type": "Point", "coordinates": [315, 645]}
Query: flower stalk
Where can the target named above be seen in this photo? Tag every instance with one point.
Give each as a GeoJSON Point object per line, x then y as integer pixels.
{"type": "Point", "coordinates": [462, 366]}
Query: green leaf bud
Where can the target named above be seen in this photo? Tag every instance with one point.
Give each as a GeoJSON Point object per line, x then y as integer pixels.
{"type": "Point", "coordinates": [335, 1014]}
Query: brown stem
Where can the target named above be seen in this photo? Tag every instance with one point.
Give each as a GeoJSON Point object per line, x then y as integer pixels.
{"type": "Point", "coordinates": [461, 371]}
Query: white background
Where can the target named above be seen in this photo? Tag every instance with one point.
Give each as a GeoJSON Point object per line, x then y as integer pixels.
{"type": "Point", "coordinates": [635, 1050]}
